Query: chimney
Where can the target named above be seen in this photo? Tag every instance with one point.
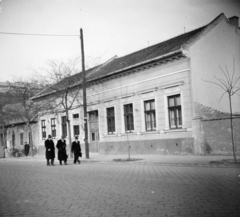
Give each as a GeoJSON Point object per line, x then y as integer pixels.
{"type": "Point", "coordinates": [234, 21]}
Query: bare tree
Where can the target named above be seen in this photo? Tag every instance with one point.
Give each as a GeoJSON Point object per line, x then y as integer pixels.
{"type": "Point", "coordinates": [64, 82]}
{"type": "Point", "coordinates": [61, 79]}
{"type": "Point", "coordinates": [26, 109]}
{"type": "Point", "coordinates": [230, 88]}
{"type": "Point", "coordinates": [6, 98]}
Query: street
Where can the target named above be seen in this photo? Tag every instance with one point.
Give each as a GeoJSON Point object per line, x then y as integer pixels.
{"type": "Point", "coordinates": [29, 188]}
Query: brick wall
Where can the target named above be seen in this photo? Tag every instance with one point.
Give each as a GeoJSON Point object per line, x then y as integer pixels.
{"type": "Point", "coordinates": [212, 131]}
{"type": "Point", "coordinates": [208, 112]}
{"type": "Point", "coordinates": [217, 136]}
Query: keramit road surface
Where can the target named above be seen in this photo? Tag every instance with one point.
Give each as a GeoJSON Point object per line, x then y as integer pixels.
{"type": "Point", "coordinates": [117, 189]}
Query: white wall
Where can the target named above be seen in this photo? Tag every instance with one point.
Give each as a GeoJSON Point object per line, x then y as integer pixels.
{"type": "Point", "coordinates": [215, 49]}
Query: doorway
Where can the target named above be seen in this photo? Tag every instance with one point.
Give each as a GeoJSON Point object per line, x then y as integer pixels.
{"type": "Point", "coordinates": [93, 131]}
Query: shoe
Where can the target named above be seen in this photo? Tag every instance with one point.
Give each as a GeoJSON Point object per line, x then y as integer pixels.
{"type": "Point", "coordinates": [65, 163]}
{"type": "Point", "coordinates": [52, 165]}
{"type": "Point", "coordinates": [79, 162]}
{"type": "Point", "coordinates": [48, 164]}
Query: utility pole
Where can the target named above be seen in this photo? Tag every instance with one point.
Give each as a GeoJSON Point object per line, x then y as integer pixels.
{"type": "Point", "coordinates": [84, 96]}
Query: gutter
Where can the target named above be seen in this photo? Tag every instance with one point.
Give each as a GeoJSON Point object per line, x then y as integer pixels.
{"type": "Point", "coordinates": [19, 124]}
{"type": "Point", "coordinates": [143, 63]}
{"type": "Point", "coordinates": [127, 68]}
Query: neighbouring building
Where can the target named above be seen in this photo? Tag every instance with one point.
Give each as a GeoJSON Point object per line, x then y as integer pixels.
{"type": "Point", "coordinates": [158, 100]}
{"type": "Point", "coordinates": [13, 131]}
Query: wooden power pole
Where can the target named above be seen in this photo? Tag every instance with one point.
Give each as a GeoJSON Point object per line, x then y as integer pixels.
{"type": "Point", "coordinates": [84, 97]}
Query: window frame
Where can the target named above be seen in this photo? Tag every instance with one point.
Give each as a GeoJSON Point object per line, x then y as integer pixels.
{"type": "Point", "coordinates": [178, 119]}
{"type": "Point", "coordinates": [13, 139]}
{"type": "Point", "coordinates": [152, 113]}
{"type": "Point", "coordinates": [1, 139]}
{"type": "Point", "coordinates": [76, 115]}
{"type": "Point", "coordinates": [21, 138]}
{"type": "Point", "coordinates": [128, 118]}
{"type": "Point", "coordinates": [111, 123]}
{"type": "Point", "coordinates": [43, 128]}
{"type": "Point", "coordinates": [53, 128]}
{"type": "Point", "coordinates": [74, 130]}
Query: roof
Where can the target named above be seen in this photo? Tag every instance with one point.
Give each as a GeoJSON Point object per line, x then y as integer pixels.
{"type": "Point", "coordinates": [141, 57]}
{"type": "Point", "coordinates": [69, 81]}
{"type": "Point", "coordinates": [149, 53]}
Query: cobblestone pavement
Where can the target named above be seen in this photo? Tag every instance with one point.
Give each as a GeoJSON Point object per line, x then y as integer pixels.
{"type": "Point", "coordinates": [117, 189]}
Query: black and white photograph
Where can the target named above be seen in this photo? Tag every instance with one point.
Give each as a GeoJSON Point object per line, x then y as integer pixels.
{"type": "Point", "coordinates": [119, 108]}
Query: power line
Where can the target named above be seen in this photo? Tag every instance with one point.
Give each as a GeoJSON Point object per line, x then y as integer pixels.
{"type": "Point", "coordinates": [16, 33]}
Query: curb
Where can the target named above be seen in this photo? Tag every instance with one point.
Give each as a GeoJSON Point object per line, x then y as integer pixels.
{"type": "Point", "coordinates": [215, 164]}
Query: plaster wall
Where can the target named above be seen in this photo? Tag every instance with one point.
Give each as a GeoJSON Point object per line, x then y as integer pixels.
{"type": "Point", "coordinates": [215, 49]}
{"type": "Point", "coordinates": [217, 136]}
{"type": "Point", "coordinates": [154, 83]}
{"type": "Point", "coordinates": [48, 117]}
{"type": "Point", "coordinates": [137, 88]}
{"type": "Point", "coordinates": [22, 129]}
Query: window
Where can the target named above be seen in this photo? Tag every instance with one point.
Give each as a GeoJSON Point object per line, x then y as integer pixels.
{"type": "Point", "coordinates": [76, 130]}
{"type": "Point", "coordinates": [21, 138]}
{"type": "Point", "coordinates": [175, 111]}
{"type": "Point", "coordinates": [64, 126]}
{"type": "Point", "coordinates": [93, 115]}
{"type": "Point", "coordinates": [44, 129]}
{"type": "Point", "coordinates": [110, 120]}
{"type": "Point", "coordinates": [53, 127]}
{"type": "Point", "coordinates": [13, 139]}
{"type": "Point", "coordinates": [75, 115]}
{"type": "Point", "coordinates": [150, 117]}
{"type": "Point", "coordinates": [1, 139]}
{"type": "Point", "coordinates": [128, 117]}
{"type": "Point", "coordinates": [93, 136]}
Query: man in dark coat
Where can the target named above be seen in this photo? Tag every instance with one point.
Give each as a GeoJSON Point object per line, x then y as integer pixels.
{"type": "Point", "coordinates": [76, 149]}
{"type": "Point", "coordinates": [50, 150]}
{"type": "Point", "coordinates": [62, 153]}
{"type": "Point", "coordinates": [26, 149]}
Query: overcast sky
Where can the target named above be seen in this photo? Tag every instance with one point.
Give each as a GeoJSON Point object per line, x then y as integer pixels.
{"type": "Point", "coordinates": [110, 27]}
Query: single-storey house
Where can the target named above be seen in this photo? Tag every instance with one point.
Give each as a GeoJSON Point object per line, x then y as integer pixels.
{"type": "Point", "coordinates": [159, 100]}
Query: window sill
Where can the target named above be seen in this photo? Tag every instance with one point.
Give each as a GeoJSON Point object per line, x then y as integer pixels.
{"type": "Point", "coordinates": [111, 135]}
{"type": "Point", "coordinates": [128, 133]}
{"type": "Point", "coordinates": [150, 132]}
{"type": "Point", "coordinates": [180, 130]}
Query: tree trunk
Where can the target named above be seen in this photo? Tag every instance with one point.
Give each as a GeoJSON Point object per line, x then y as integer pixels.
{"type": "Point", "coordinates": [69, 134]}
{"type": "Point", "coordinates": [30, 138]}
{"type": "Point", "coordinates": [4, 136]}
{"type": "Point", "coordinates": [231, 121]}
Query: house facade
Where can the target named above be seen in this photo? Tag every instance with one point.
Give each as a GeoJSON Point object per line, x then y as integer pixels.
{"type": "Point", "coordinates": [14, 132]}
{"type": "Point", "coordinates": [159, 100]}
{"type": "Point", "coordinates": [17, 133]}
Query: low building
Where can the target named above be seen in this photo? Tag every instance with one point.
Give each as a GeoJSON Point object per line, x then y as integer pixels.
{"type": "Point", "coordinates": [159, 100]}
{"type": "Point", "coordinates": [14, 131]}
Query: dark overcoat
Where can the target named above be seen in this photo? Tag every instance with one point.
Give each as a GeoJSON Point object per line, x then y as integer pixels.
{"type": "Point", "coordinates": [62, 153]}
{"type": "Point", "coordinates": [26, 148]}
{"type": "Point", "coordinates": [76, 148]}
{"type": "Point", "coordinates": [50, 149]}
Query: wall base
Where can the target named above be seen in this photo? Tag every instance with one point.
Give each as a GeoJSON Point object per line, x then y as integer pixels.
{"type": "Point", "coordinates": [153, 147]}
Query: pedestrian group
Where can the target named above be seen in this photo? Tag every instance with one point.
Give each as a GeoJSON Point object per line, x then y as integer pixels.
{"type": "Point", "coordinates": [62, 153]}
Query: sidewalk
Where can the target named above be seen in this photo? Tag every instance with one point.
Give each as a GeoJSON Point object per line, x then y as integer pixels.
{"type": "Point", "coordinates": [194, 160]}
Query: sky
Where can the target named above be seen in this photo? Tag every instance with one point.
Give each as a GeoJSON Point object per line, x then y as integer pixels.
{"type": "Point", "coordinates": [110, 27]}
